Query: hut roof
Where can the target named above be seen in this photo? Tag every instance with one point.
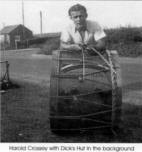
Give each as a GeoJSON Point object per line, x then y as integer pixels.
{"type": "Point", "coordinates": [8, 29]}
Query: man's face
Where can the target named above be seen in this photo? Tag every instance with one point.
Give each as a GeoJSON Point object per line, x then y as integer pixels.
{"type": "Point", "coordinates": [79, 18]}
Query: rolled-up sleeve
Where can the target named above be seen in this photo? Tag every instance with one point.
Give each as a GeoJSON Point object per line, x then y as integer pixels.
{"type": "Point", "coordinates": [99, 33]}
{"type": "Point", "coordinates": [65, 36]}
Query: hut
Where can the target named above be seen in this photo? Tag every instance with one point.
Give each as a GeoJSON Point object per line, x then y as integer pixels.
{"type": "Point", "coordinates": [12, 34]}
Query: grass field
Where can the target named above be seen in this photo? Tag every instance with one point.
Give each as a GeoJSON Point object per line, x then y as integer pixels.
{"type": "Point", "coordinates": [25, 108]}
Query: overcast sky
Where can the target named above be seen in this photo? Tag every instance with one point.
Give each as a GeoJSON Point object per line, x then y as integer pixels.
{"type": "Point", "coordinates": [55, 13]}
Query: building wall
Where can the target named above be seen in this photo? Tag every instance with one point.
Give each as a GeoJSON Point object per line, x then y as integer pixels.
{"type": "Point", "coordinates": [2, 38]}
{"type": "Point", "coordinates": [19, 34]}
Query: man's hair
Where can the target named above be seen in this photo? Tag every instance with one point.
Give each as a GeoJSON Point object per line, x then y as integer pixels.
{"type": "Point", "coordinates": [76, 7]}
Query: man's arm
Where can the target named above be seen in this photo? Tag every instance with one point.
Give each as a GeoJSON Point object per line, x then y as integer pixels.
{"type": "Point", "coordinates": [100, 45]}
{"type": "Point", "coordinates": [69, 47]}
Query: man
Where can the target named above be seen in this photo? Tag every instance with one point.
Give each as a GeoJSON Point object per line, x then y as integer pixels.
{"type": "Point", "coordinates": [82, 32]}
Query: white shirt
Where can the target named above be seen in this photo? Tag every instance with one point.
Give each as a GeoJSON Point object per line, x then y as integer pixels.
{"type": "Point", "coordinates": [93, 33]}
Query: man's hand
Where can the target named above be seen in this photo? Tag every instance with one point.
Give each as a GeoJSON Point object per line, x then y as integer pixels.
{"type": "Point", "coordinates": [76, 47]}
{"type": "Point", "coordinates": [70, 47]}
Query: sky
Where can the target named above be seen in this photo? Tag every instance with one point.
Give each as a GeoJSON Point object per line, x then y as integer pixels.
{"type": "Point", "coordinates": [109, 14]}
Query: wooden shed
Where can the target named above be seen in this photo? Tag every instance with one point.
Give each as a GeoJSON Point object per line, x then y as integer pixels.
{"type": "Point", "coordinates": [12, 34]}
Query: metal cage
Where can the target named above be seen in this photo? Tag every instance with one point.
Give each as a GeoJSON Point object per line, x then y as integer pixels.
{"type": "Point", "coordinates": [85, 90]}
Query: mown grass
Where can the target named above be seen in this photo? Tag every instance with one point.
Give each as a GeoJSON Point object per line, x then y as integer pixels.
{"type": "Point", "coordinates": [24, 112]}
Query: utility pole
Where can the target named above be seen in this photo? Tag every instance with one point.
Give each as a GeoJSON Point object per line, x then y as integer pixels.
{"type": "Point", "coordinates": [40, 22]}
{"type": "Point", "coordinates": [23, 12]}
{"type": "Point", "coordinates": [23, 19]}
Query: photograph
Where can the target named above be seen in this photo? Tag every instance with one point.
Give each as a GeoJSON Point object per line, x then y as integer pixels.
{"type": "Point", "coordinates": [71, 72]}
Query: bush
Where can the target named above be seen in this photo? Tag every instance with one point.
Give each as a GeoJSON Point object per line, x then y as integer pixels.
{"type": "Point", "coordinates": [126, 40]}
